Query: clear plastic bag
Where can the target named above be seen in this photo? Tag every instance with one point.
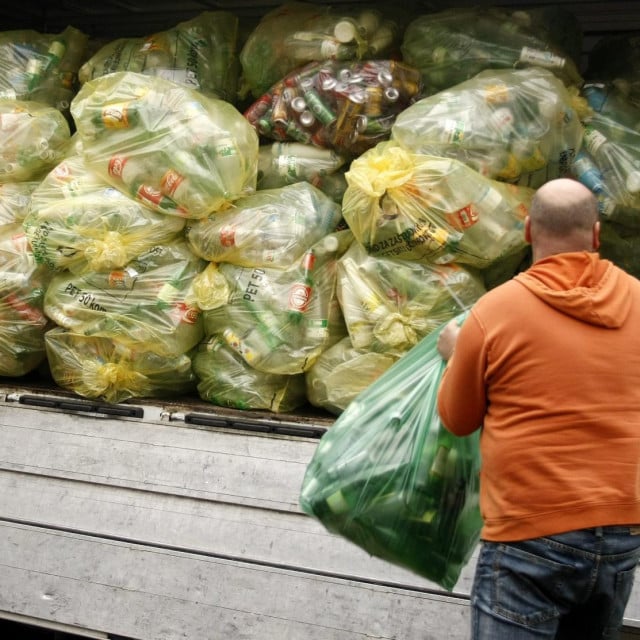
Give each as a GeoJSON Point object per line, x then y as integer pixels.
{"type": "Point", "coordinates": [200, 54]}
{"type": "Point", "coordinates": [34, 137]}
{"type": "Point", "coordinates": [103, 367]}
{"type": "Point", "coordinates": [226, 379]}
{"type": "Point", "coordinates": [389, 304]}
{"type": "Point", "coordinates": [451, 46]}
{"type": "Point", "coordinates": [165, 145]}
{"type": "Point", "coordinates": [41, 67]}
{"type": "Point", "coordinates": [77, 221]}
{"type": "Point", "coordinates": [388, 477]}
{"type": "Point", "coordinates": [271, 228]}
{"type": "Point", "coordinates": [513, 125]}
{"type": "Point", "coordinates": [297, 33]}
{"type": "Point", "coordinates": [609, 160]}
{"type": "Point", "coordinates": [345, 106]}
{"type": "Point", "coordinates": [417, 207]}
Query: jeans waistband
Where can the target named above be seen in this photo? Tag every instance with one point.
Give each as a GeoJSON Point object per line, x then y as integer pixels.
{"type": "Point", "coordinates": [631, 530]}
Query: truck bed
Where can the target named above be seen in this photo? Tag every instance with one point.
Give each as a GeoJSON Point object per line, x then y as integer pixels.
{"type": "Point", "coordinates": [181, 520]}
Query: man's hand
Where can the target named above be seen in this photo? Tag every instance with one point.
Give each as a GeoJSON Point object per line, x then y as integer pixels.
{"type": "Point", "coordinates": [447, 339]}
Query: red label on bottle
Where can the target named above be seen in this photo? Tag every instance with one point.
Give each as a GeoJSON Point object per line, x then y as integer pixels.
{"type": "Point", "coordinates": [308, 261]}
{"type": "Point", "coordinates": [182, 312]}
{"type": "Point", "coordinates": [26, 311]}
{"type": "Point", "coordinates": [170, 181]}
{"type": "Point", "coordinates": [20, 242]}
{"type": "Point", "coordinates": [227, 236]}
{"type": "Point", "coordinates": [150, 194]}
{"type": "Point", "coordinates": [464, 218]}
{"type": "Point", "coordinates": [299, 297]}
{"type": "Point", "coordinates": [116, 166]}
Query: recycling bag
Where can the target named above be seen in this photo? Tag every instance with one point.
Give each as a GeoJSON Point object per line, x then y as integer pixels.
{"type": "Point", "coordinates": [390, 478]}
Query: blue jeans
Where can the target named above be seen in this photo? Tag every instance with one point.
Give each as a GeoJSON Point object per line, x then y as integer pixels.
{"type": "Point", "coordinates": [573, 585]}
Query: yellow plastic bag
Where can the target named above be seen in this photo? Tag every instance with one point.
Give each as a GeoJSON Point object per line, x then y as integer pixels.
{"type": "Point", "coordinates": [297, 33]}
{"type": "Point", "coordinates": [77, 221]}
{"type": "Point", "coordinates": [341, 373]}
{"type": "Point", "coordinates": [281, 319]}
{"type": "Point", "coordinates": [41, 67]}
{"type": "Point", "coordinates": [200, 54]}
{"type": "Point", "coordinates": [389, 305]}
{"type": "Point", "coordinates": [454, 45]}
{"type": "Point", "coordinates": [513, 125]}
{"type": "Point", "coordinates": [271, 228]}
{"type": "Point", "coordinates": [418, 207]}
{"type": "Point", "coordinates": [226, 379]}
{"type": "Point", "coordinates": [167, 146]}
{"type": "Point", "coordinates": [22, 286]}
{"type": "Point", "coordinates": [148, 305]}
{"type": "Point", "coordinates": [34, 138]}
{"type": "Point", "coordinates": [103, 367]}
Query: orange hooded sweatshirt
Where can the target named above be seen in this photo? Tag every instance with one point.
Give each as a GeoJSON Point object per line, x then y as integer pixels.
{"type": "Point", "coordinates": [549, 364]}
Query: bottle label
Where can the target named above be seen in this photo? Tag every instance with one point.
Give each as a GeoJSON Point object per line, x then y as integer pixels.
{"type": "Point", "coordinates": [115, 116]}
{"type": "Point", "coordinates": [122, 279]}
{"type": "Point", "coordinates": [287, 166]}
{"type": "Point", "coordinates": [227, 236]}
{"type": "Point", "coordinates": [496, 93]}
{"type": "Point", "coordinates": [182, 312]}
{"type": "Point", "coordinates": [170, 182]}
{"type": "Point", "coordinates": [31, 314]}
{"type": "Point", "coordinates": [463, 218]}
{"type": "Point", "coordinates": [593, 140]}
{"type": "Point", "coordinates": [317, 329]}
{"type": "Point", "coordinates": [239, 346]}
{"type": "Point", "coordinates": [541, 58]}
{"type": "Point", "coordinates": [299, 297]}
{"type": "Point", "coordinates": [115, 167]}
{"type": "Point", "coordinates": [453, 131]}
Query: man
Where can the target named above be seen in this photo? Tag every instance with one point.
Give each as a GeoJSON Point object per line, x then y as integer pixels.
{"type": "Point", "coordinates": [548, 365]}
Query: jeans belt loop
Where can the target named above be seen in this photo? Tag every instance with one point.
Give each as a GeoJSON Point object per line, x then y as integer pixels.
{"type": "Point", "coordinates": [598, 531]}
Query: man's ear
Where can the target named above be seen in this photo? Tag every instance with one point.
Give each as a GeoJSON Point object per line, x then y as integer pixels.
{"type": "Point", "coordinates": [527, 229]}
{"type": "Point", "coordinates": [596, 235]}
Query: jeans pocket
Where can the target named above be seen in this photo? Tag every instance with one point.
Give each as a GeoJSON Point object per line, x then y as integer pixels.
{"type": "Point", "coordinates": [623, 585]}
{"type": "Point", "coordinates": [527, 586]}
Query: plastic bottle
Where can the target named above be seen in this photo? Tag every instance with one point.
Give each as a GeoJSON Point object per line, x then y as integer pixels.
{"type": "Point", "coordinates": [301, 290]}
{"type": "Point", "coordinates": [229, 166]}
{"type": "Point", "coordinates": [307, 46]}
{"type": "Point", "coordinates": [620, 171]}
{"type": "Point", "coordinates": [183, 180]}
{"type": "Point", "coordinates": [289, 162]}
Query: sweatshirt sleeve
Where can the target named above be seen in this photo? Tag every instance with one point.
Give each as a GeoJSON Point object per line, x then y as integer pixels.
{"type": "Point", "coordinates": [462, 400]}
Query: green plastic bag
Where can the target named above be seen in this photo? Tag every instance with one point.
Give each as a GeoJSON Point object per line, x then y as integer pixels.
{"type": "Point", "coordinates": [391, 479]}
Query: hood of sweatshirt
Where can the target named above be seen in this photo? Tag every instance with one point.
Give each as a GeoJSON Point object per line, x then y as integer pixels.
{"type": "Point", "coordinates": [581, 285]}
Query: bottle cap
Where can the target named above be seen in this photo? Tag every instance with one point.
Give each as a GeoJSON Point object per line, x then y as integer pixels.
{"type": "Point", "coordinates": [633, 182]}
{"type": "Point", "coordinates": [345, 31]}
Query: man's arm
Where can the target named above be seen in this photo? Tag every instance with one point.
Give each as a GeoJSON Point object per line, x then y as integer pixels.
{"type": "Point", "coordinates": [462, 400]}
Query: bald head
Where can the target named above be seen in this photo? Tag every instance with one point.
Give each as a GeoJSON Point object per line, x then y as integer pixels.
{"type": "Point", "coordinates": [563, 217]}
